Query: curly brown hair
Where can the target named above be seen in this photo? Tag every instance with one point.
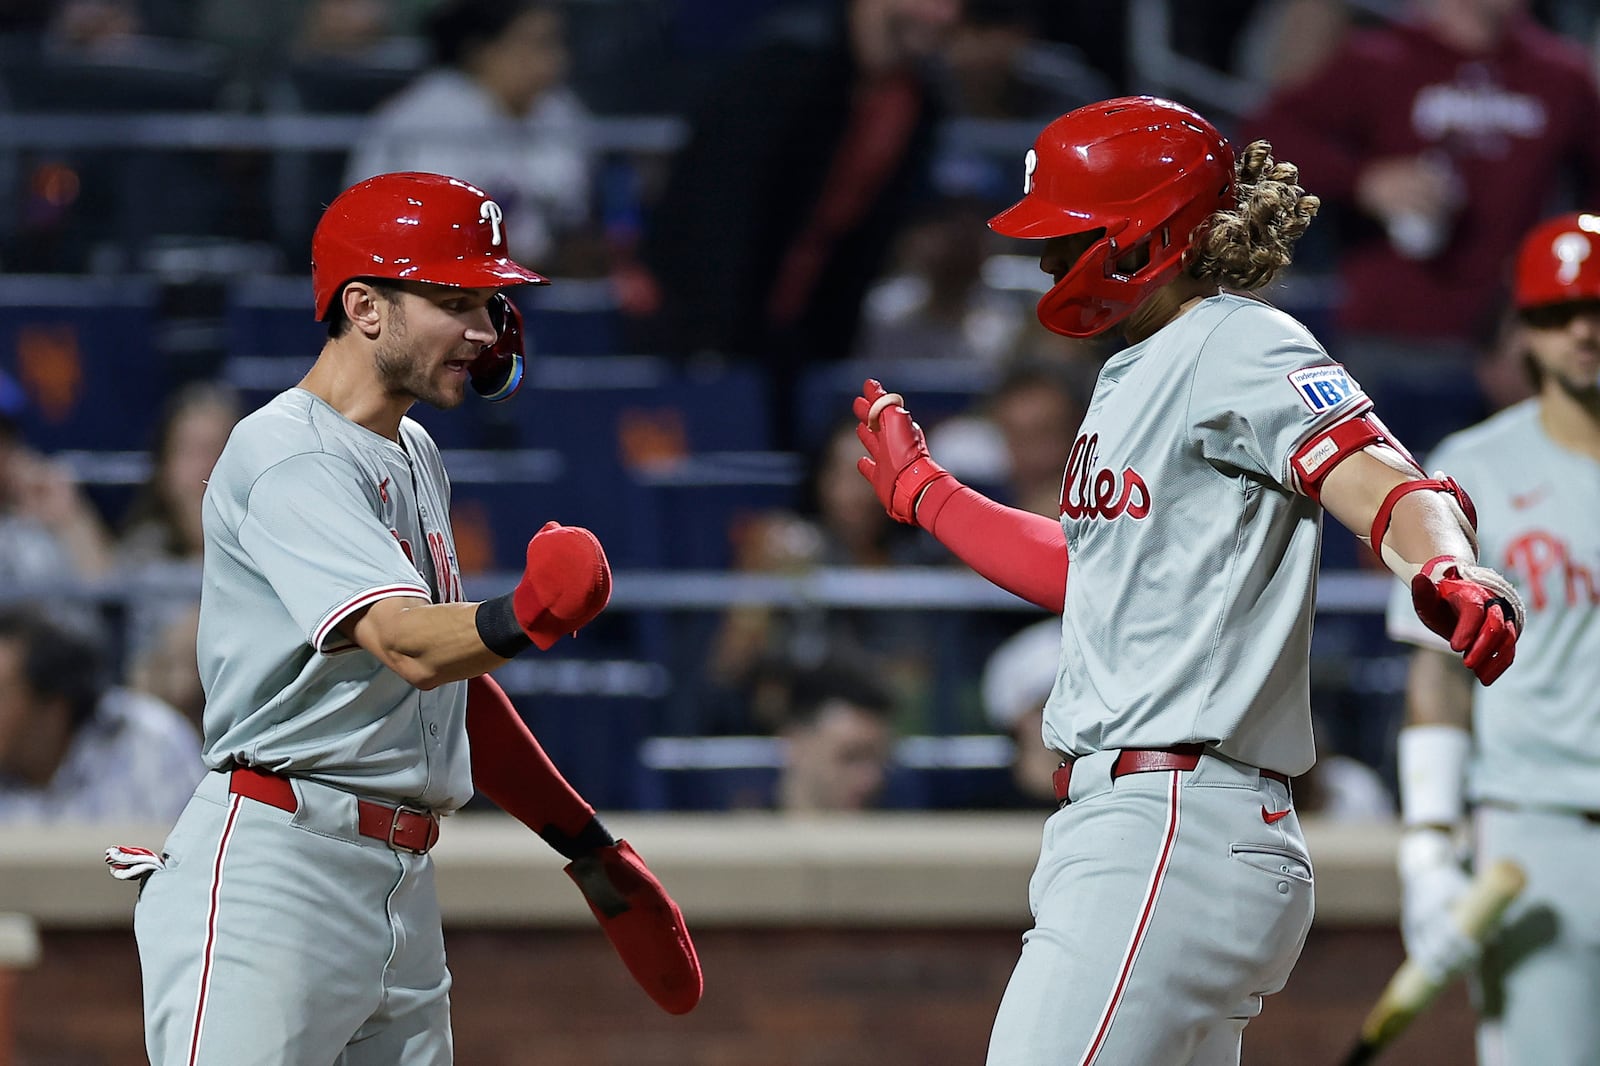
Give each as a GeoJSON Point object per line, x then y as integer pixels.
{"type": "Point", "coordinates": [1245, 248]}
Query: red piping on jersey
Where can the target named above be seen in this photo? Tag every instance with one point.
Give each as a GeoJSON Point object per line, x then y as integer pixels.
{"type": "Point", "coordinates": [1157, 877]}
{"type": "Point", "coordinates": [211, 931]}
{"type": "Point", "coordinates": [359, 600]}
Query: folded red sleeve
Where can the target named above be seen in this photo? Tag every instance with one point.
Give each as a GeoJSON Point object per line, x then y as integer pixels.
{"type": "Point", "coordinates": [511, 768]}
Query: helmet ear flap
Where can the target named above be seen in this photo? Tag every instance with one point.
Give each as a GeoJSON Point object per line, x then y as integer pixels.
{"type": "Point", "coordinates": [496, 373]}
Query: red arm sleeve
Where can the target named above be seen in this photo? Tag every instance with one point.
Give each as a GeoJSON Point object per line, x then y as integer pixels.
{"type": "Point", "coordinates": [510, 767]}
{"type": "Point", "coordinates": [1022, 552]}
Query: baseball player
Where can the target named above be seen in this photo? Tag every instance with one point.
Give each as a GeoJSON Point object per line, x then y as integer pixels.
{"type": "Point", "coordinates": [1525, 755]}
{"type": "Point", "coordinates": [291, 916]}
{"type": "Point", "coordinates": [1173, 888]}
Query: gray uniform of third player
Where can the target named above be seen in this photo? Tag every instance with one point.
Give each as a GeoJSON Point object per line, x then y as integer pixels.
{"type": "Point", "coordinates": [1180, 898]}
{"type": "Point", "coordinates": [309, 517]}
{"type": "Point", "coordinates": [1535, 770]}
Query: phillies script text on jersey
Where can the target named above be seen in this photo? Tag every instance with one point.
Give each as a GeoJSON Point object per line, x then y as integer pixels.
{"type": "Point", "coordinates": [1537, 555]}
{"type": "Point", "coordinates": [446, 572]}
{"type": "Point", "coordinates": [1091, 491]}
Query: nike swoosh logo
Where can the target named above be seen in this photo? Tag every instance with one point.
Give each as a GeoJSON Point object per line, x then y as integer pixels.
{"type": "Point", "coordinates": [1524, 500]}
{"type": "Point", "coordinates": [1274, 816]}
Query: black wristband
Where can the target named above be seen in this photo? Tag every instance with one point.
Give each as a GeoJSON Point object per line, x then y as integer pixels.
{"type": "Point", "coordinates": [499, 629]}
{"type": "Point", "coordinates": [591, 838]}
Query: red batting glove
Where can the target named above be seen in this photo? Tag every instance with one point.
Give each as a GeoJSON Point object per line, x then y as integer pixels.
{"type": "Point", "coordinates": [642, 923]}
{"type": "Point", "coordinates": [897, 461]}
{"type": "Point", "coordinates": [567, 581]}
{"type": "Point", "coordinates": [1472, 607]}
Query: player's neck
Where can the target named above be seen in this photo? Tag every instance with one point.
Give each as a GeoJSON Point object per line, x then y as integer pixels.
{"type": "Point", "coordinates": [355, 396]}
{"type": "Point", "coordinates": [1571, 421]}
{"type": "Point", "coordinates": [1165, 304]}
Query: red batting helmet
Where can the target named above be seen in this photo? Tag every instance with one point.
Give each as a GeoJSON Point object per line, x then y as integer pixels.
{"type": "Point", "coordinates": [1146, 170]}
{"type": "Point", "coordinates": [1559, 262]}
{"type": "Point", "coordinates": [412, 227]}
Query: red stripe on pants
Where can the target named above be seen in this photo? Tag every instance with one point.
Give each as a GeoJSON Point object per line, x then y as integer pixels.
{"type": "Point", "coordinates": [1146, 911]}
{"type": "Point", "coordinates": [211, 930]}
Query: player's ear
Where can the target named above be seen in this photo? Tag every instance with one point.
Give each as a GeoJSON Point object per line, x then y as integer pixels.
{"type": "Point", "coordinates": [363, 306]}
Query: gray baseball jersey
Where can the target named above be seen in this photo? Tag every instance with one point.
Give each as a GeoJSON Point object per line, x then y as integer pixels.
{"type": "Point", "coordinates": [1535, 768]}
{"type": "Point", "coordinates": [1194, 554]}
{"type": "Point", "coordinates": [308, 517]}
{"type": "Point", "coordinates": [1167, 903]}
{"type": "Point", "coordinates": [1537, 728]}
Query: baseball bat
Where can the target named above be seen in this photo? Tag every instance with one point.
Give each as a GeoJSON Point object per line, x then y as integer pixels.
{"type": "Point", "coordinates": [1411, 989]}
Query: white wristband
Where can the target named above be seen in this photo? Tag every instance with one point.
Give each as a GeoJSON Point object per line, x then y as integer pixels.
{"type": "Point", "coordinates": [1422, 850]}
{"type": "Point", "coordinates": [1432, 768]}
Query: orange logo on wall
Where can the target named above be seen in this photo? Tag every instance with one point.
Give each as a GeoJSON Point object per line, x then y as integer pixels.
{"type": "Point", "coordinates": [474, 536]}
{"type": "Point", "coordinates": [50, 366]}
{"type": "Point", "coordinates": [651, 438]}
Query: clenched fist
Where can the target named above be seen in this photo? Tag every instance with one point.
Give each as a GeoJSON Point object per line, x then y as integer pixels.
{"type": "Point", "coordinates": [1474, 608]}
{"type": "Point", "coordinates": [567, 581]}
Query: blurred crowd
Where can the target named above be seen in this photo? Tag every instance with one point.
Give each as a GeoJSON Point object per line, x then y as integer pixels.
{"type": "Point", "coordinates": [764, 184]}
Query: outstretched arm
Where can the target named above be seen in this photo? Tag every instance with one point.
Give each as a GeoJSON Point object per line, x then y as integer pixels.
{"type": "Point", "coordinates": [1021, 552]}
{"type": "Point", "coordinates": [1424, 529]}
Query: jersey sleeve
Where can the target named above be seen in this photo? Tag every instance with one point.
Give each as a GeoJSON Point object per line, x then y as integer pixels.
{"type": "Point", "coordinates": [1262, 388]}
{"type": "Point", "coordinates": [316, 537]}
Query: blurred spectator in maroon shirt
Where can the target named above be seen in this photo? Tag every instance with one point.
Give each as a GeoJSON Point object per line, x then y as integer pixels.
{"type": "Point", "coordinates": [1441, 138]}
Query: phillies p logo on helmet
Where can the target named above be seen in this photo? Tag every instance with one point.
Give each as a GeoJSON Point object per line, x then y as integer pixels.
{"type": "Point", "coordinates": [490, 212]}
{"type": "Point", "coordinates": [1557, 262]}
{"type": "Point", "coordinates": [1571, 249]}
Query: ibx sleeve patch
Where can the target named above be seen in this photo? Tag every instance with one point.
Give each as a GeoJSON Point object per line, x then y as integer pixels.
{"type": "Point", "coordinates": [1322, 388]}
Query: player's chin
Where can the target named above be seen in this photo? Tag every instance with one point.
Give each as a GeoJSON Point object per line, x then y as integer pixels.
{"type": "Point", "coordinates": [1582, 384]}
{"type": "Point", "coordinates": [447, 391]}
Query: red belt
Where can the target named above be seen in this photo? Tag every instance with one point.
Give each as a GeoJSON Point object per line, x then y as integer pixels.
{"type": "Point", "coordinates": [1147, 760]}
{"type": "Point", "coordinates": [403, 828]}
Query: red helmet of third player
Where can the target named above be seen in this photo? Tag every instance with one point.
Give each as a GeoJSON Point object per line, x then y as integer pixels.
{"type": "Point", "coordinates": [1559, 262]}
{"type": "Point", "coordinates": [1147, 171]}
{"type": "Point", "coordinates": [412, 227]}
